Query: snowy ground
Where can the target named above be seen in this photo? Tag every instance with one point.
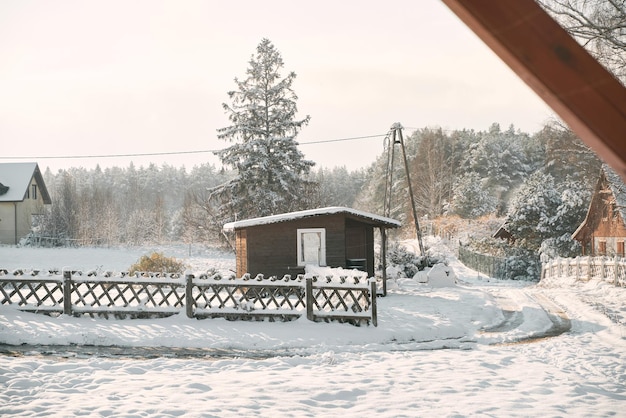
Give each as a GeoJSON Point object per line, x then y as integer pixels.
{"type": "Point", "coordinates": [483, 347]}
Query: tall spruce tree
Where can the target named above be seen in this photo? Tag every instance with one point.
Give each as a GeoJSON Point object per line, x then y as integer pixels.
{"type": "Point", "coordinates": [271, 171]}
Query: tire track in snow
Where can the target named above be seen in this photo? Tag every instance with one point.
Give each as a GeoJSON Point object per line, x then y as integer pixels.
{"type": "Point", "coordinates": [514, 317]}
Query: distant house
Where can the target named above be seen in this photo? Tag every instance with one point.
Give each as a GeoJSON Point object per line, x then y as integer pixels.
{"type": "Point", "coordinates": [603, 231]}
{"type": "Point", "coordinates": [504, 234]}
{"type": "Point", "coordinates": [23, 195]}
{"type": "Point", "coordinates": [286, 243]}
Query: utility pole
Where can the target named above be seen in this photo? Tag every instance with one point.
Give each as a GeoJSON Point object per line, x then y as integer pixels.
{"type": "Point", "coordinates": [397, 138]}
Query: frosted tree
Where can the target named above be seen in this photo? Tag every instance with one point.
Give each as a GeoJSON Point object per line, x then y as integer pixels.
{"type": "Point", "coordinates": [531, 214]}
{"type": "Point", "coordinates": [337, 186]}
{"type": "Point", "coordinates": [566, 156]}
{"type": "Point", "coordinates": [543, 215]}
{"type": "Point", "coordinates": [471, 199]}
{"type": "Point", "coordinates": [270, 169]}
{"type": "Point", "coordinates": [573, 203]}
{"type": "Point", "coordinates": [503, 159]}
{"type": "Point", "coordinates": [432, 171]}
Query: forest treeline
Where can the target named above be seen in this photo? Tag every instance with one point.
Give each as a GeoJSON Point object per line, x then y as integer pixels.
{"type": "Point", "coordinates": [158, 204]}
{"type": "Point", "coordinates": [462, 173]}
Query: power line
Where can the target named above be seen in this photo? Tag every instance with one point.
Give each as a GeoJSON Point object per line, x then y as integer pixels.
{"type": "Point", "coordinates": [342, 139]}
{"type": "Point", "coordinates": [151, 154]}
{"type": "Point", "coordinates": [65, 157]}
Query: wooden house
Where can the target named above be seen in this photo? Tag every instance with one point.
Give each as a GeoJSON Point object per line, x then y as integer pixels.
{"type": "Point", "coordinates": [23, 195]}
{"type": "Point", "coordinates": [286, 243]}
{"type": "Point", "coordinates": [504, 234]}
{"type": "Point", "coordinates": [603, 231]}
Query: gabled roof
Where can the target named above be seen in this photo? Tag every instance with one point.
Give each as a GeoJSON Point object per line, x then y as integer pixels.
{"type": "Point", "coordinates": [617, 188]}
{"type": "Point", "coordinates": [379, 221]}
{"type": "Point", "coordinates": [17, 177]}
{"type": "Point", "coordinates": [503, 232]}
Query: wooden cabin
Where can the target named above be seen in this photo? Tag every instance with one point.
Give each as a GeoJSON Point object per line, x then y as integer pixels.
{"type": "Point", "coordinates": [603, 231]}
{"type": "Point", "coordinates": [284, 244]}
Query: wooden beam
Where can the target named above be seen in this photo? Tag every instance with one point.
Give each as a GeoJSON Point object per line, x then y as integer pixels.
{"type": "Point", "coordinates": [582, 92]}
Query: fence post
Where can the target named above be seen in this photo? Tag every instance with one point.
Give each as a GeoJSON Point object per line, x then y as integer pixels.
{"type": "Point", "coordinates": [373, 303]}
{"type": "Point", "coordinates": [309, 299]}
{"type": "Point", "coordinates": [602, 268]}
{"type": "Point", "coordinates": [189, 295]}
{"type": "Point", "coordinates": [616, 277]}
{"type": "Point", "coordinates": [67, 292]}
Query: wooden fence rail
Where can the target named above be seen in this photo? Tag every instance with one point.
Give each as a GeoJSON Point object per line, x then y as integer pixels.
{"type": "Point", "coordinates": [611, 270]}
{"type": "Point", "coordinates": [203, 296]}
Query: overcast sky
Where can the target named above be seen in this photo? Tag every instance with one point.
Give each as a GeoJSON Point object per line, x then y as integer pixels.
{"type": "Point", "coordinates": [125, 77]}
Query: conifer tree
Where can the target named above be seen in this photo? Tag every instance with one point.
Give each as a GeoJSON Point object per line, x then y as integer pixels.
{"type": "Point", "coordinates": [271, 171]}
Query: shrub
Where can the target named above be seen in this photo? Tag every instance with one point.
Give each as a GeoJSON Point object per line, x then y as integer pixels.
{"type": "Point", "coordinates": [157, 262]}
{"type": "Point", "coordinates": [408, 262]}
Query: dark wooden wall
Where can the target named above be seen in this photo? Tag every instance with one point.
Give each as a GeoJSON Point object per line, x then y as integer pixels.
{"type": "Point", "coordinates": [272, 249]}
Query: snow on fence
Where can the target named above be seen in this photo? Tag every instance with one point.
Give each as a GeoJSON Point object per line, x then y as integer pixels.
{"type": "Point", "coordinates": [611, 270]}
{"type": "Point", "coordinates": [204, 296]}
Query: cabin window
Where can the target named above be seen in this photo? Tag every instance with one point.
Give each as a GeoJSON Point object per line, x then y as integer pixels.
{"type": "Point", "coordinates": [312, 246]}
{"type": "Point", "coordinates": [620, 248]}
{"type": "Point", "coordinates": [601, 247]}
{"type": "Point", "coordinates": [34, 193]}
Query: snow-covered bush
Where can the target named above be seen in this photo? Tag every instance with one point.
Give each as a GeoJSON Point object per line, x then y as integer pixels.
{"type": "Point", "coordinates": [403, 260]}
{"type": "Point", "coordinates": [157, 262]}
{"type": "Point", "coordinates": [408, 263]}
{"type": "Point", "coordinates": [522, 264]}
{"type": "Point", "coordinates": [563, 246]}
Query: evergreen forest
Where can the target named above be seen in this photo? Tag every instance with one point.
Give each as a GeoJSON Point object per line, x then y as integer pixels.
{"type": "Point", "coordinates": [538, 184]}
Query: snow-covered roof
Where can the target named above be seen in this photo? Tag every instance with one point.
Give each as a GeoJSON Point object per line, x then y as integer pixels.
{"type": "Point", "coordinates": [284, 217]}
{"type": "Point", "coordinates": [17, 177]}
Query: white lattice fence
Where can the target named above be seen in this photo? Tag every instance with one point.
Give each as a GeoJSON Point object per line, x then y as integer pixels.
{"type": "Point", "coordinates": [611, 270]}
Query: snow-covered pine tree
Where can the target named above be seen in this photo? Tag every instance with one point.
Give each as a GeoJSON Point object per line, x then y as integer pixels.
{"type": "Point", "coordinates": [502, 159]}
{"type": "Point", "coordinates": [470, 198]}
{"type": "Point", "coordinates": [271, 171]}
{"type": "Point", "coordinates": [531, 216]}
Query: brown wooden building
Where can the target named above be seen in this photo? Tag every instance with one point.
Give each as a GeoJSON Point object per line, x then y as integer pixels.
{"type": "Point", "coordinates": [285, 244]}
{"type": "Point", "coordinates": [603, 231]}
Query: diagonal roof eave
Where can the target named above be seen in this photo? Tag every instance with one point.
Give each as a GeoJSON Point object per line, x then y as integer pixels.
{"type": "Point", "coordinates": [17, 177]}
{"type": "Point", "coordinates": [618, 188]}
